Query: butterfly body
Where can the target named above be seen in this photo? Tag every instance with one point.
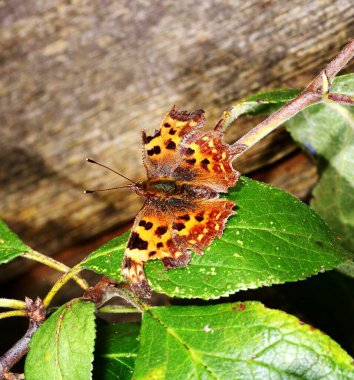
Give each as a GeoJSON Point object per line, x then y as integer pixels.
{"type": "Point", "coordinates": [163, 188]}
{"type": "Point", "coordinates": [186, 171]}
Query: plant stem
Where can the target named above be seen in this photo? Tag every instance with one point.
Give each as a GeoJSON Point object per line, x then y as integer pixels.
{"type": "Point", "coordinates": [127, 296]}
{"type": "Point", "coordinates": [273, 121]}
{"type": "Point", "coordinates": [15, 353]}
{"type": "Point", "coordinates": [36, 314]}
{"type": "Point", "coordinates": [13, 313]}
{"type": "Point", "coordinates": [61, 282]}
{"type": "Point", "coordinates": [315, 92]}
{"type": "Point", "coordinates": [12, 304]}
{"type": "Point", "coordinates": [50, 262]}
{"type": "Point", "coordinates": [117, 309]}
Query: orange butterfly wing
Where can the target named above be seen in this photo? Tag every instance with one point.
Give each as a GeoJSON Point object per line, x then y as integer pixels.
{"type": "Point", "coordinates": [168, 227]}
{"type": "Point", "coordinates": [162, 151]}
{"type": "Point", "coordinates": [180, 151]}
{"type": "Point", "coordinates": [196, 226]}
{"type": "Point", "coordinates": [209, 159]}
{"type": "Point", "coordinates": [171, 234]}
{"type": "Point", "coordinates": [151, 238]}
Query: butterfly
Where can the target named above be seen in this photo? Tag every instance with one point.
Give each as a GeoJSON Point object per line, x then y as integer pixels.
{"type": "Point", "coordinates": [187, 169]}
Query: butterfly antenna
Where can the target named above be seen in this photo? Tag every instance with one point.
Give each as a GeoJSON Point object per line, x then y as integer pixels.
{"type": "Point", "coordinates": [110, 188]}
{"type": "Point", "coordinates": [106, 167]}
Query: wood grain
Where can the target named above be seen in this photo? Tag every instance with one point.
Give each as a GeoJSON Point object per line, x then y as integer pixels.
{"type": "Point", "coordinates": [82, 78]}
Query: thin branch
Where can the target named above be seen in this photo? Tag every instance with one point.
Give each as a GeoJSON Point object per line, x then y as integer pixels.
{"type": "Point", "coordinates": [50, 262]}
{"type": "Point", "coordinates": [315, 92]}
{"type": "Point", "coordinates": [98, 293]}
{"type": "Point", "coordinates": [275, 120]}
{"type": "Point", "coordinates": [15, 353]}
{"type": "Point", "coordinates": [12, 304]}
{"type": "Point", "coordinates": [36, 314]}
{"type": "Point", "coordinates": [342, 58]}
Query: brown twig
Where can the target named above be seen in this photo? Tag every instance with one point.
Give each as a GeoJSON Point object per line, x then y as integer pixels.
{"type": "Point", "coordinates": [316, 92]}
{"type": "Point", "coordinates": [36, 315]}
{"type": "Point", "coordinates": [98, 294]}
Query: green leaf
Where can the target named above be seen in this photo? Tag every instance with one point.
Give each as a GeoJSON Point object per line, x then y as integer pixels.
{"type": "Point", "coordinates": [116, 350]}
{"type": "Point", "coordinates": [326, 131]}
{"type": "Point", "coordinates": [107, 259]}
{"type": "Point", "coordinates": [235, 341]}
{"type": "Point", "coordinates": [274, 238]}
{"type": "Point", "coordinates": [10, 244]}
{"type": "Point", "coordinates": [282, 95]}
{"type": "Point", "coordinates": [62, 348]}
{"type": "Point", "coordinates": [260, 103]}
{"type": "Point", "coordinates": [343, 84]}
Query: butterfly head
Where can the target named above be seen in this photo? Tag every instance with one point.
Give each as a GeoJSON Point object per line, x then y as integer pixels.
{"type": "Point", "coordinates": [139, 188]}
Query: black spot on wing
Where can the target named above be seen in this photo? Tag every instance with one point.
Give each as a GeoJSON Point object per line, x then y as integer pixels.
{"type": "Point", "coordinates": [145, 224]}
{"type": "Point", "coordinates": [148, 226]}
{"type": "Point", "coordinates": [171, 145]}
{"type": "Point", "coordinates": [205, 163]}
{"type": "Point", "coordinates": [161, 230]}
{"type": "Point", "coordinates": [179, 226]}
{"type": "Point", "coordinates": [199, 217]}
{"type": "Point", "coordinates": [190, 151]}
{"type": "Point", "coordinates": [136, 242]}
{"type": "Point", "coordinates": [155, 150]}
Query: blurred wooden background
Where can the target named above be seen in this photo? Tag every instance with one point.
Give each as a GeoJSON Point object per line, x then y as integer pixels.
{"type": "Point", "coordinates": [82, 78]}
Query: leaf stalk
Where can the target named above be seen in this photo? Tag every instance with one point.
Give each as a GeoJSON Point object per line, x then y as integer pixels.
{"type": "Point", "coordinates": [60, 283]}
{"type": "Point", "coordinates": [13, 313]}
{"type": "Point", "coordinates": [52, 263]}
{"type": "Point", "coordinates": [12, 304]}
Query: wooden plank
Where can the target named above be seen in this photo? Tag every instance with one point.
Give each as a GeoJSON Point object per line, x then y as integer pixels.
{"type": "Point", "coordinates": [83, 78]}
